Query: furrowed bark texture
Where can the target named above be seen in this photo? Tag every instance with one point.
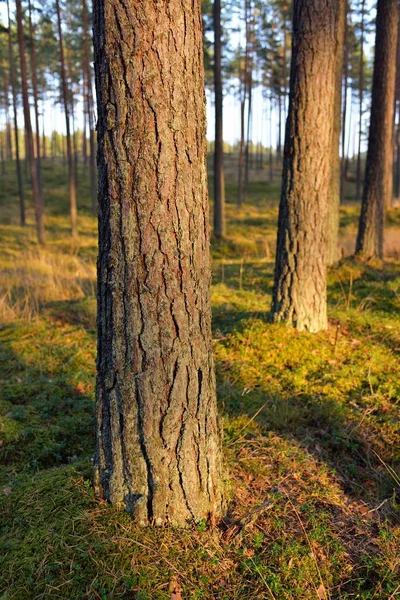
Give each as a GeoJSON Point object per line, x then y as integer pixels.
{"type": "Point", "coordinates": [299, 295]}
{"type": "Point", "coordinates": [158, 437]}
{"type": "Point", "coordinates": [378, 170]}
{"type": "Point", "coordinates": [334, 190]}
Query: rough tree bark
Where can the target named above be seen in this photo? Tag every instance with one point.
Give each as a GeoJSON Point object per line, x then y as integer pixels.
{"type": "Point", "coordinates": [37, 199]}
{"type": "Point", "coordinates": [71, 166]}
{"type": "Point", "coordinates": [219, 180]}
{"type": "Point", "coordinates": [299, 295]}
{"type": "Point", "coordinates": [378, 171]}
{"type": "Point", "coordinates": [15, 114]}
{"type": "Point", "coordinates": [334, 189]}
{"type": "Point", "coordinates": [158, 438]}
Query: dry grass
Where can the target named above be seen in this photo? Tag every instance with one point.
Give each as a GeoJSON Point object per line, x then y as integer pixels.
{"type": "Point", "coordinates": [35, 278]}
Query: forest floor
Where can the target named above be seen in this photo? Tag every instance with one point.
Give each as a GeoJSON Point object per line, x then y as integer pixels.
{"type": "Point", "coordinates": [312, 425]}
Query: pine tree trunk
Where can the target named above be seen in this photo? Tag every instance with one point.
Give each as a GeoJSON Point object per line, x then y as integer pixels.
{"type": "Point", "coordinates": [361, 100]}
{"type": "Point", "coordinates": [248, 90]}
{"type": "Point", "coordinates": [378, 172]}
{"type": "Point", "coordinates": [74, 137]}
{"type": "Point", "coordinates": [347, 160]}
{"type": "Point", "coordinates": [84, 138]}
{"type": "Point", "coordinates": [299, 295]}
{"type": "Point", "coordinates": [248, 155]}
{"type": "Point", "coordinates": [71, 168]}
{"type": "Point", "coordinates": [15, 115]}
{"type": "Point", "coordinates": [90, 107]}
{"type": "Point", "coordinates": [270, 155]}
{"type": "Point", "coordinates": [158, 438]}
{"type": "Point", "coordinates": [35, 100]}
{"type": "Point", "coordinates": [344, 111]}
{"type": "Point", "coordinates": [397, 127]}
{"type": "Point", "coordinates": [37, 199]}
{"type": "Point", "coordinates": [2, 158]}
{"type": "Point", "coordinates": [219, 180]}
{"type": "Point", "coordinates": [334, 190]}
{"type": "Point", "coordinates": [279, 142]}
{"type": "Point", "coordinates": [44, 149]}
{"type": "Point", "coordinates": [241, 142]}
{"type": "Point", "coordinates": [8, 124]}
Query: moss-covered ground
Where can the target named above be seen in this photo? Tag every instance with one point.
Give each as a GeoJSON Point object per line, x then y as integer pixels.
{"type": "Point", "coordinates": [312, 425]}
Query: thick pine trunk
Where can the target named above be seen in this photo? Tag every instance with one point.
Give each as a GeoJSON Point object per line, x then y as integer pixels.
{"type": "Point", "coordinates": [378, 172]}
{"type": "Point", "coordinates": [334, 189]}
{"type": "Point", "coordinates": [71, 166]}
{"type": "Point", "coordinates": [30, 155]}
{"type": "Point", "coordinates": [299, 295]}
{"type": "Point", "coordinates": [158, 438]}
{"type": "Point", "coordinates": [219, 180]}
{"type": "Point", "coordinates": [15, 115]}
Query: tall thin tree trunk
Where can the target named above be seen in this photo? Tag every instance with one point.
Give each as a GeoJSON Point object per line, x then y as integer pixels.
{"type": "Point", "coordinates": [158, 450]}
{"type": "Point", "coordinates": [347, 161]}
{"type": "Point", "coordinates": [74, 140]}
{"type": "Point", "coordinates": [90, 106]}
{"type": "Point", "coordinates": [37, 199]}
{"type": "Point", "coordinates": [270, 158]}
{"type": "Point", "coordinates": [334, 189]}
{"type": "Point", "coordinates": [299, 295]}
{"type": "Point", "coordinates": [15, 113]}
{"type": "Point", "coordinates": [44, 145]}
{"type": "Point", "coordinates": [378, 173]}
{"type": "Point", "coordinates": [2, 157]}
{"type": "Point", "coordinates": [344, 111]}
{"type": "Point", "coordinates": [242, 76]}
{"type": "Point", "coordinates": [397, 113]}
{"type": "Point", "coordinates": [248, 154]}
{"type": "Point", "coordinates": [8, 124]}
{"type": "Point", "coordinates": [71, 169]}
{"type": "Point", "coordinates": [35, 98]}
{"type": "Point", "coordinates": [361, 100]}
{"type": "Point", "coordinates": [84, 130]}
{"type": "Point", "coordinates": [219, 181]}
{"type": "Point", "coordinates": [279, 142]}
{"type": "Point", "coordinates": [249, 89]}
